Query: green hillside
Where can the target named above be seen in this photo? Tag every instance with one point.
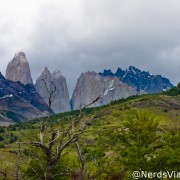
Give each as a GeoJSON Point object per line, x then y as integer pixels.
{"type": "Point", "coordinates": [137, 133]}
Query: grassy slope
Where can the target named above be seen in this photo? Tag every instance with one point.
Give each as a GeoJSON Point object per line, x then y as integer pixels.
{"type": "Point", "coordinates": [107, 119]}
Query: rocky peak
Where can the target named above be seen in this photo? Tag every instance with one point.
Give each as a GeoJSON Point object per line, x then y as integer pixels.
{"type": "Point", "coordinates": [120, 72]}
{"type": "Point", "coordinates": [48, 82]}
{"type": "Point", "coordinates": [18, 69]}
{"type": "Point", "coordinates": [57, 74]}
{"type": "Point", "coordinates": [134, 70]}
{"type": "Point", "coordinates": [20, 56]}
{"type": "Point", "coordinates": [91, 85]}
{"type": "Point", "coordinates": [107, 73]}
{"type": "Point", "coordinates": [46, 73]}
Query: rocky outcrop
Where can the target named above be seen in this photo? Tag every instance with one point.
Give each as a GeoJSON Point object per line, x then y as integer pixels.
{"type": "Point", "coordinates": [91, 85]}
{"type": "Point", "coordinates": [142, 81]}
{"type": "Point", "coordinates": [55, 84]}
{"type": "Point", "coordinates": [19, 102]}
{"type": "Point", "coordinates": [18, 69]}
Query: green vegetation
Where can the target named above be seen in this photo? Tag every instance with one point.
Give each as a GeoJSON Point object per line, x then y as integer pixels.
{"type": "Point", "coordinates": [137, 133]}
{"type": "Point", "coordinates": [174, 91]}
{"type": "Point", "coordinates": [2, 130]}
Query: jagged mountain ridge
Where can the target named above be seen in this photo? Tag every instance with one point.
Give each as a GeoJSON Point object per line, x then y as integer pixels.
{"type": "Point", "coordinates": [19, 102]}
{"type": "Point", "coordinates": [142, 81]}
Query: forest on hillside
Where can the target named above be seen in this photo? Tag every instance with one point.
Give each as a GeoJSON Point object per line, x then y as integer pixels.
{"type": "Point", "coordinates": [140, 133]}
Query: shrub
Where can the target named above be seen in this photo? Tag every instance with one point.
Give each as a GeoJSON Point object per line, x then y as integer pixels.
{"type": "Point", "coordinates": [2, 145]}
{"type": "Point", "coordinates": [2, 130]}
{"type": "Point", "coordinates": [141, 139]}
{"type": "Point", "coordinates": [173, 91]}
{"type": "Point", "coordinates": [12, 139]}
{"type": "Point", "coordinates": [1, 138]}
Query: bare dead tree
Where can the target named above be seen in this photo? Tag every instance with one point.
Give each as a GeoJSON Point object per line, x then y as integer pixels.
{"type": "Point", "coordinates": [51, 91]}
{"type": "Point", "coordinates": [6, 173]}
{"type": "Point", "coordinates": [86, 166]}
{"type": "Point", "coordinates": [85, 170]}
{"type": "Point", "coordinates": [59, 140]}
{"type": "Point", "coordinates": [53, 154]}
{"type": "Point", "coordinates": [4, 170]}
{"type": "Point", "coordinates": [82, 161]}
{"type": "Point", "coordinates": [18, 174]}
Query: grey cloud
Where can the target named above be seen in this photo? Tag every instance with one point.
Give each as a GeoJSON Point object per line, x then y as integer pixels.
{"type": "Point", "coordinates": [94, 35]}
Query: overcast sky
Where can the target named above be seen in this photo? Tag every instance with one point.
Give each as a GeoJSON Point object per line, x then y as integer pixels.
{"type": "Point", "coordinates": [80, 35]}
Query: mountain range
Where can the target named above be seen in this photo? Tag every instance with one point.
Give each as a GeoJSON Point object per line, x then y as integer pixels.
{"type": "Point", "coordinates": [21, 100]}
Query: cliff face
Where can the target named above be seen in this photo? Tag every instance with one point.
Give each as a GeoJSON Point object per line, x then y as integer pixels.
{"type": "Point", "coordinates": [54, 83]}
{"type": "Point", "coordinates": [19, 102]}
{"type": "Point", "coordinates": [18, 69]}
{"type": "Point", "coordinates": [91, 85]}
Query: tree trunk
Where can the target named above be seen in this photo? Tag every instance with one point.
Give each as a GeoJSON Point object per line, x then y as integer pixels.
{"type": "Point", "coordinates": [49, 171]}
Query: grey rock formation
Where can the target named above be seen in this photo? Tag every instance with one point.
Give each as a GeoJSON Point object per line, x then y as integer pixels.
{"type": "Point", "coordinates": [91, 85]}
{"type": "Point", "coordinates": [18, 69]}
{"type": "Point", "coordinates": [48, 82]}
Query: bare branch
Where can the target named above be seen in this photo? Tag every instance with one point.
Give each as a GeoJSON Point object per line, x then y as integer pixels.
{"type": "Point", "coordinates": [51, 92]}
